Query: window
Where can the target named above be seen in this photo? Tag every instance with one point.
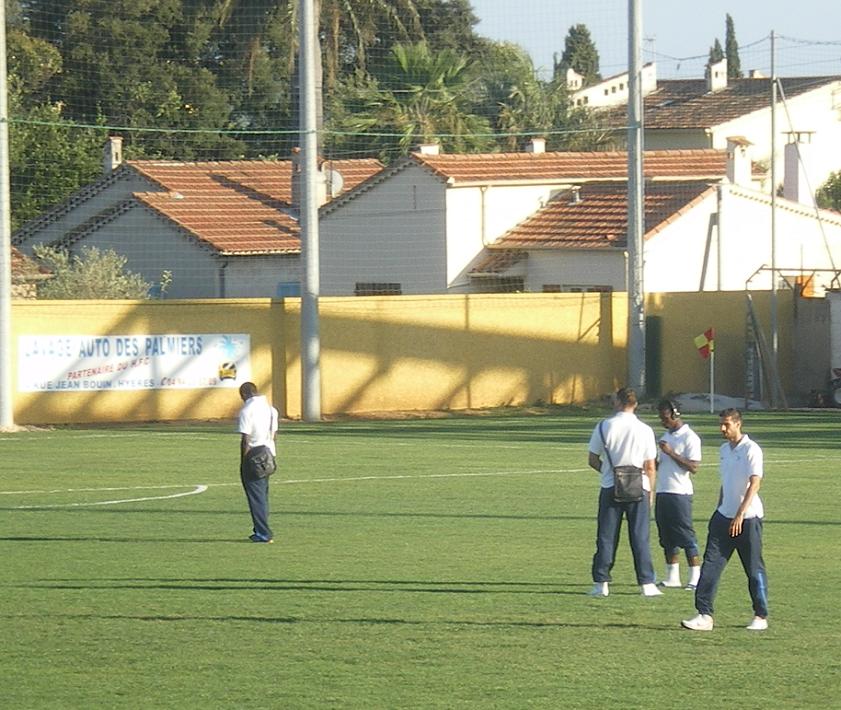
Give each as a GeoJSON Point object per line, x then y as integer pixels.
{"type": "Point", "coordinates": [508, 284]}
{"type": "Point", "coordinates": [287, 289]}
{"type": "Point", "coordinates": [576, 288]}
{"type": "Point", "coordinates": [377, 288]}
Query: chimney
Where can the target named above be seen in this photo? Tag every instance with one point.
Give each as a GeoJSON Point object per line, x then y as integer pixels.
{"type": "Point", "coordinates": [536, 145]}
{"type": "Point", "coordinates": [574, 80]}
{"type": "Point", "coordinates": [112, 154]}
{"type": "Point", "coordinates": [739, 170]}
{"type": "Point", "coordinates": [296, 177]}
{"type": "Point", "coordinates": [716, 75]}
{"type": "Point", "coordinates": [649, 78]}
{"type": "Point", "coordinates": [429, 149]}
{"type": "Point", "coordinates": [797, 161]}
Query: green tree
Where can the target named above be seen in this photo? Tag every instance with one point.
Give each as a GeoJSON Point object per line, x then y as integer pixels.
{"type": "Point", "coordinates": [731, 49]}
{"type": "Point", "coordinates": [716, 53]}
{"type": "Point", "coordinates": [419, 96]}
{"type": "Point", "coordinates": [449, 24]}
{"type": "Point", "coordinates": [829, 194]}
{"type": "Point", "coordinates": [49, 157]}
{"type": "Point", "coordinates": [135, 64]}
{"type": "Point", "coordinates": [520, 105]}
{"type": "Point", "coordinates": [580, 54]}
{"type": "Point", "coordinates": [93, 274]}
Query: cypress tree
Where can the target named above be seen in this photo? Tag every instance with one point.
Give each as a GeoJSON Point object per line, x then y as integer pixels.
{"type": "Point", "coordinates": [734, 65]}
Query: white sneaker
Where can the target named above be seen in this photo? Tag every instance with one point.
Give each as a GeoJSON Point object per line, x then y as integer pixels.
{"type": "Point", "coordinates": [757, 624]}
{"type": "Point", "coordinates": [702, 622]}
{"type": "Point", "coordinates": [670, 583]}
{"type": "Point", "coordinates": [599, 590]}
{"type": "Point", "coordinates": [691, 587]}
{"type": "Point", "coordinates": [650, 590]}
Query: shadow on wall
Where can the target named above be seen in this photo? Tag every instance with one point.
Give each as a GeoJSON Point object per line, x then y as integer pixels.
{"type": "Point", "coordinates": [413, 353]}
{"type": "Point", "coordinates": [398, 352]}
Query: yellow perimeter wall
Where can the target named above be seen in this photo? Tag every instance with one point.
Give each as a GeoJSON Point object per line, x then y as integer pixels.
{"type": "Point", "coordinates": [404, 352]}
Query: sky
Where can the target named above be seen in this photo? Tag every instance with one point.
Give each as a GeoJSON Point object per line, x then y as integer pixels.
{"type": "Point", "coordinates": [677, 34]}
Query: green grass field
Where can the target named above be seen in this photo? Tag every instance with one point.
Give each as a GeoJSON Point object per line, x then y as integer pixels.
{"type": "Point", "coordinates": [438, 563]}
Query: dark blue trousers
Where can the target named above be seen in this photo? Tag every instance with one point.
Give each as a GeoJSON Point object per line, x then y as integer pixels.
{"type": "Point", "coordinates": [607, 537]}
{"type": "Point", "coordinates": [673, 513]}
{"type": "Point", "coordinates": [257, 494]}
{"type": "Point", "coordinates": [720, 547]}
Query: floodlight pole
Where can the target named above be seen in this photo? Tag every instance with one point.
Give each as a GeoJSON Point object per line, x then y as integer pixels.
{"type": "Point", "coordinates": [774, 338]}
{"type": "Point", "coordinates": [310, 337]}
{"type": "Point", "coordinates": [636, 291]}
{"type": "Point", "coordinates": [6, 413]}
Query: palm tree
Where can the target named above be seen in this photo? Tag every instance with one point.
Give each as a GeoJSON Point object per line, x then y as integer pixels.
{"type": "Point", "coordinates": [418, 96]}
{"type": "Point", "coordinates": [348, 27]}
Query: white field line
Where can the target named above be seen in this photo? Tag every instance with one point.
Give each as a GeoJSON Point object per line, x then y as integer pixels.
{"type": "Point", "coordinates": [201, 488]}
{"type": "Point", "coordinates": [196, 490]}
{"type": "Point", "coordinates": [111, 435]}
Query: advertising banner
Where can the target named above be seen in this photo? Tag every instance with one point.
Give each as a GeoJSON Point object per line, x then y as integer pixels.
{"type": "Point", "coordinates": [84, 363]}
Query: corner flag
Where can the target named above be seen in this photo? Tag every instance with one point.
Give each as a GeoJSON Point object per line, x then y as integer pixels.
{"type": "Point", "coordinates": [705, 343]}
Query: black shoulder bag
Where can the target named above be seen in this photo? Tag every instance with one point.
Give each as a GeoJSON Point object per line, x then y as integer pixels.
{"type": "Point", "coordinates": [260, 462]}
{"type": "Point", "coordinates": [627, 480]}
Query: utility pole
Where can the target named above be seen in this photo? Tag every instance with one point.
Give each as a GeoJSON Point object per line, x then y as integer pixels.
{"type": "Point", "coordinates": [774, 346]}
{"type": "Point", "coordinates": [636, 214]}
{"type": "Point", "coordinates": [310, 337]}
{"type": "Point", "coordinates": [6, 413]}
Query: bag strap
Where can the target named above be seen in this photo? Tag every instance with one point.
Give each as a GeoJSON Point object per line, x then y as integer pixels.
{"type": "Point", "coordinates": [604, 444]}
{"type": "Point", "coordinates": [271, 422]}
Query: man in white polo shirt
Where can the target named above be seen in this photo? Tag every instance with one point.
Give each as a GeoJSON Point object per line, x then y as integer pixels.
{"type": "Point", "coordinates": [623, 440]}
{"type": "Point", "coordinates": [680, 457]}
{"type": "Point", "coordinates": [735, 525]}
{"type": "Point", "coordinates": [257, 425]}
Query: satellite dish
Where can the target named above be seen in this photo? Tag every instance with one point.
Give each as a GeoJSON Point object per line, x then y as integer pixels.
{"type": "Point", "coordinates": [335, 182]}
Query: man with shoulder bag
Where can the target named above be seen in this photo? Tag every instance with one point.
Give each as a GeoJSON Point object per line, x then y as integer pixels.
{"type": "Point", "coordinates": [257, 425]}
{"type": "Point", "coordinates": [623, 450]}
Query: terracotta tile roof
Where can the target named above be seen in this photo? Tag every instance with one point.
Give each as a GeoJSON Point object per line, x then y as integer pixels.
{"type": "Point", "coordinates": [230, 224]}
{"type": "Point", "coordinates": [686, 103]}
{"type": "Point", "coordinates": [25, 269]}
{"type": "Point", "coordinates": [63, 208]}
{"type": "Point", "coordinates": [578, 166]}
{"type": "Point", "coordinates": [599, 220]}
{"type": "Point", "coordinates": [498, 261]}
{"type": "Point", "coordinates": [272, 179]}
{"type": "Point", "coordinates": [237, 207]}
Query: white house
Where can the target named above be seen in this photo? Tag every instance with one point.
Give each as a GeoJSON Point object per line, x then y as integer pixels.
{"type": "Point", "coordinates": [704, 113]}
{"type": "Point", "coordinates": [612, 91]}
{"type": "Point", "coordinates": [222, 229]}
{"type": "Point", "coordinates": [419, 226]}
{"type": "Point", "coordinates": [699, 236]}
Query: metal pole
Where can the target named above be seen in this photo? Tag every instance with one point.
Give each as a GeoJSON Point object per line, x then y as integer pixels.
{"type": "Point", "coordinates": [6, 414]}
{"type": "Point", "coordinates": [310, 338]}
{"type": "Point", "coordinates": [773, 206]}
{"type": "Point", "coordinates": [636, 291]}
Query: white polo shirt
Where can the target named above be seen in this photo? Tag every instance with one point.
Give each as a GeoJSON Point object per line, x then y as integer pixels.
{"type": "Point", "coordinates": [671, 476]}
{"type": "Point", "coordinates": [258, 421]}
{"type": "Point", "coordinates": [630, 441]}
{"type": "Point", "coordinates": [737, 465]}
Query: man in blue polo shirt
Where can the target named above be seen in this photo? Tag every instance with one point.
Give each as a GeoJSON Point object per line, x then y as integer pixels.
{"type": "Point", "coordinates": [735, 525]}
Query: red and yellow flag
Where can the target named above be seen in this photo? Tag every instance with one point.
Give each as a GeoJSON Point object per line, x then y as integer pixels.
{"type": "Point", "coordinates": [705, 342]}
